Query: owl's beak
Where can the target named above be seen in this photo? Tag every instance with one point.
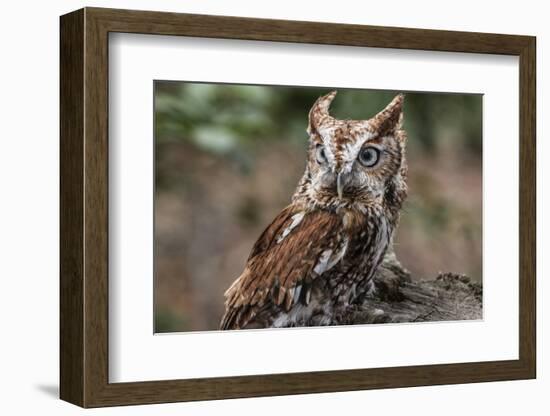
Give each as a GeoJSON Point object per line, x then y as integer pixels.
{"type": "Point", "coordinates": [340, 184]}
{"type": "Point", "coordinates": [343, 179]}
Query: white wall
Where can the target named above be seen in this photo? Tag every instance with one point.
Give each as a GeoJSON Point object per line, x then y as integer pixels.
{"type": "Point", "coordinates": [29, 205]}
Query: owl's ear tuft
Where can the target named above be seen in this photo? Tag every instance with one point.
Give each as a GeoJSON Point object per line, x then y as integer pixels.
{"type": "Point", "coordinates": [319, 113]}
{"type": "Point", "coordinates": [390, 119]}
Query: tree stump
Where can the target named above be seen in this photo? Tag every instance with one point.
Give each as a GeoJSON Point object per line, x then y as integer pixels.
{"type": "Point", "coordinates": [397, 297]}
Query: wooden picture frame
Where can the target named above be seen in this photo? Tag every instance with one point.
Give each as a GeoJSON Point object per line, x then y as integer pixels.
{"type": "Point", "coordinates": [84, 207]}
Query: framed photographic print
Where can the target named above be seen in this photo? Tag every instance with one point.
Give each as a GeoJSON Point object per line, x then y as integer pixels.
{"type": "Point", "coordinates": [257, 207]}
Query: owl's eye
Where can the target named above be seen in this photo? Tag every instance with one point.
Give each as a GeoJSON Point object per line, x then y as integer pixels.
{"type": "Point", "coordinates": [369, 156]}
{"type": "Point", "coordinates": [321, 155]}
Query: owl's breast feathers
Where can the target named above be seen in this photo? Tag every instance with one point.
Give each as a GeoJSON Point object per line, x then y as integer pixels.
{"type": "Point", "coordinates": [293, 251]}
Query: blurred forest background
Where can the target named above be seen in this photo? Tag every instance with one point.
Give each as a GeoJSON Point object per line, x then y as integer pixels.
{"type": "Point", "coordinates": [227, 160]}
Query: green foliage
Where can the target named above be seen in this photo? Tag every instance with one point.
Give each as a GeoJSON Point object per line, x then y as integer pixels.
{"type": "Point", "coordinates": [229, 119]}
{"type": "Point", "coordinates": [168, 321]}
{"type": "Point", "coordinates": [248, 212]}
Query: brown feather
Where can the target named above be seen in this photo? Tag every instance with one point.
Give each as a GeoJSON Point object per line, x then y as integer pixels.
{"type": "Point", "coordinates": [277, 264]}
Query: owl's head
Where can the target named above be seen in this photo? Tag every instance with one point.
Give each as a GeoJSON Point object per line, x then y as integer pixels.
{"type": "Point", "coordinates": [355, 162]}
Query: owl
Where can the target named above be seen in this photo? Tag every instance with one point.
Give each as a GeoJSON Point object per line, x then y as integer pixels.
{"type": "Point", "coordinates": [321, 252]}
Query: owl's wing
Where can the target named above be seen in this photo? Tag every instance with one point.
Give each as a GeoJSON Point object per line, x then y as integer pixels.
{"type": "Point", "coordinates": [295, 248]}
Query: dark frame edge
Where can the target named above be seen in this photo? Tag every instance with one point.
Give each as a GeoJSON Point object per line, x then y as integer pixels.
{"type": "Point", "coordinates": [172, 391]}
{"type": "Point", "coordinates": [294, 31]}
{"type": "Point", "coordinates": [528, 208]}
{"type": "Point", "coordinates": [72, 341]}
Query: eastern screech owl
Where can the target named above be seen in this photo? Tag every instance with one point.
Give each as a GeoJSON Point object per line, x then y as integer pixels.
{"type": "Point", "coordinates": [323, 249]}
